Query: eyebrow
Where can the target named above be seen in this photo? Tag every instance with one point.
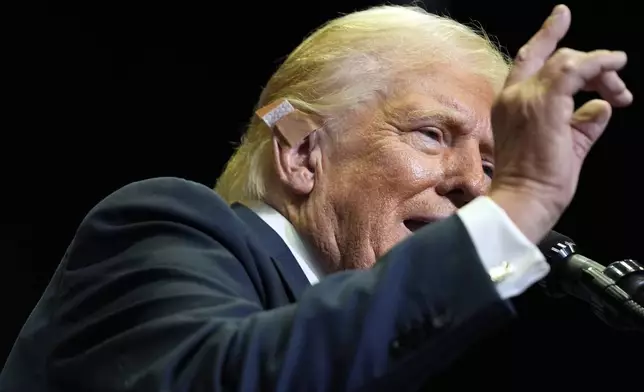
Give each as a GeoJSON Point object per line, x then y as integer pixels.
{"type": "Point", "coordinates": [449, 117]}
{"type": "Point", "coordinates": [451, 109]}
{"type": "Point", "coordinates": [450, 113]}
{"type": "Point", "coordinates": [454, 105]}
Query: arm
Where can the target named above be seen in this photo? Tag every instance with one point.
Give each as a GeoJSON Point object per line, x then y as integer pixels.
{"type": "Point", "coordinates": [156, 296]}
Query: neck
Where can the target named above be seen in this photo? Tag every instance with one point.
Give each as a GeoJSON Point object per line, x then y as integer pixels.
{"type": "Point", "coordinates": [315, 227]}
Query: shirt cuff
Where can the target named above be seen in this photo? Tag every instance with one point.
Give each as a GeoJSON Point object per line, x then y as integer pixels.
{"type": "Point", "coordinates": [513, 262]}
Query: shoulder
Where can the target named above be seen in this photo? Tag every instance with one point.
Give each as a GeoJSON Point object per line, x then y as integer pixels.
{"type": "Point", "coordinates": [165, 193]}
{"type": "Point", "coordinates": [162, 212]}
{"type": "Point", "coordinates": [164, 198]}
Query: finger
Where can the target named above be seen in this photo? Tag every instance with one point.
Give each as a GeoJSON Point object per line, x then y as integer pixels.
{"type": "Point", "coordinates": [589, 122]}
{"type": "Point", "coordinates": [570, 71]}
{"type": "Point", "coordinates": [538, 49]}
{"type": "Point", "coordinates": [611, 88]}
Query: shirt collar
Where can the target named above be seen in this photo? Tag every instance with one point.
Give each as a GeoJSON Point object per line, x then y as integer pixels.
{"type": "Point", "coordinates": [301, 251]}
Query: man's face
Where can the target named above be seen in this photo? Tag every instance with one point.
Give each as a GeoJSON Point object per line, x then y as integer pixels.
{"type": "Point", "coordinates": [412, 159]}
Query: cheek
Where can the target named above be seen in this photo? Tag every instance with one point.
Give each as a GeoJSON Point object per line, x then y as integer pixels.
{"type": "Point", "coordinates": [410, 172]}
{"type": "Point", "coordinates": [381, 178]}
{"type": "Point", "coordinates": [390, 172]}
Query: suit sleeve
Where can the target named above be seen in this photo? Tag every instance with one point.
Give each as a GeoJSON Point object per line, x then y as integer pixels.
{"type": "Point", "coordinates": [155, 297]}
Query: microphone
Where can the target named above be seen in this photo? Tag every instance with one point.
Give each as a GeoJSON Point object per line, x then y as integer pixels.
{"type": "Point", "coordinates": [615, 292]}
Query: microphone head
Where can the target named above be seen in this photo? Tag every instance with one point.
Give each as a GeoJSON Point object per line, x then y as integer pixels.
{"type": "Point", "coordinates": [556, 247]}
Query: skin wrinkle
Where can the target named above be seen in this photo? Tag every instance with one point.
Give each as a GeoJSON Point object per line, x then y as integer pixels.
{"type": "Point", "coordinates": [351, 193]}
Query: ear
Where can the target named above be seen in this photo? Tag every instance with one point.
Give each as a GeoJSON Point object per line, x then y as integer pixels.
{"type": "Point", "coordinates": [295, 164]}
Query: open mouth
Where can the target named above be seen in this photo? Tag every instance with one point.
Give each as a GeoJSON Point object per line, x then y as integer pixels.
{"type": "Point", "coordinates": [415, 224]}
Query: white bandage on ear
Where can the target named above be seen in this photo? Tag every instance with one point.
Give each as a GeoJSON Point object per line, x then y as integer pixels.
{"type": "Point", "coordinates": [290, 123]}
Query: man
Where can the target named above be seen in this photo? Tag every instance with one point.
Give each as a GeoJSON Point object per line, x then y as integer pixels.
{"type": "Point", "coordinates": [378, 126]}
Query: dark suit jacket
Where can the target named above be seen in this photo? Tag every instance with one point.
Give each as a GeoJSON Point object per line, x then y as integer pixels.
{"type": "Point", "coordinates": [167, 288]}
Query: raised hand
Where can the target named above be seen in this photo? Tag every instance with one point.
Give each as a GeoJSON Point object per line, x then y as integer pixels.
{"type": "Point", "coordinates": [541, 140]}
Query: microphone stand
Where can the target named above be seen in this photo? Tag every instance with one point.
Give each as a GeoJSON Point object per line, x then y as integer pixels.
{"type": "Point", "coordinates": [615, 292]}
{"type": "Point", "coordinates": [623, 283]}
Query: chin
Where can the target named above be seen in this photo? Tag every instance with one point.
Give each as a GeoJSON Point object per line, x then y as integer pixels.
{"type": "Point", "coordinates": [392, 238]}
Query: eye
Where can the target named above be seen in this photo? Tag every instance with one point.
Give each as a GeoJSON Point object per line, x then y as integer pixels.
{"type": "Point", "coordinates": [432, 133]}
{"type": "Point", "coordinates": [488, 170]}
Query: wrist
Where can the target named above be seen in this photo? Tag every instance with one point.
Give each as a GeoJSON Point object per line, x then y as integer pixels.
{"type": "Point", "coordinates": [526, 210]}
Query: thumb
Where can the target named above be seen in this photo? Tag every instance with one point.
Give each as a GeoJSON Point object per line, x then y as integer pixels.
{"type": "Point", "coordinates": [588, 123]}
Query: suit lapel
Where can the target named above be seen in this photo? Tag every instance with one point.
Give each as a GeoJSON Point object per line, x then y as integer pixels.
{"type": "Point", "coordinates": [281, 256]}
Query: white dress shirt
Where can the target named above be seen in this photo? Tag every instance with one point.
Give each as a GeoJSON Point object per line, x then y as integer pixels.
{"type": "Point", "coordinates": [513, 262]}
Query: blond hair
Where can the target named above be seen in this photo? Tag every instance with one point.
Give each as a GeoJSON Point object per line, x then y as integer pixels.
{"type": "Point", "coordinates": [343, 64]}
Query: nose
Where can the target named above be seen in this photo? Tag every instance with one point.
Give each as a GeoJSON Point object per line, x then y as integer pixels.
{"type": "Point", "coordinates": [464, 178]}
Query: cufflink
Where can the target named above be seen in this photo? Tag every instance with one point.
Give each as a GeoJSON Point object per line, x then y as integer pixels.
{"type": "Point", "coordinates": [500, 272]}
